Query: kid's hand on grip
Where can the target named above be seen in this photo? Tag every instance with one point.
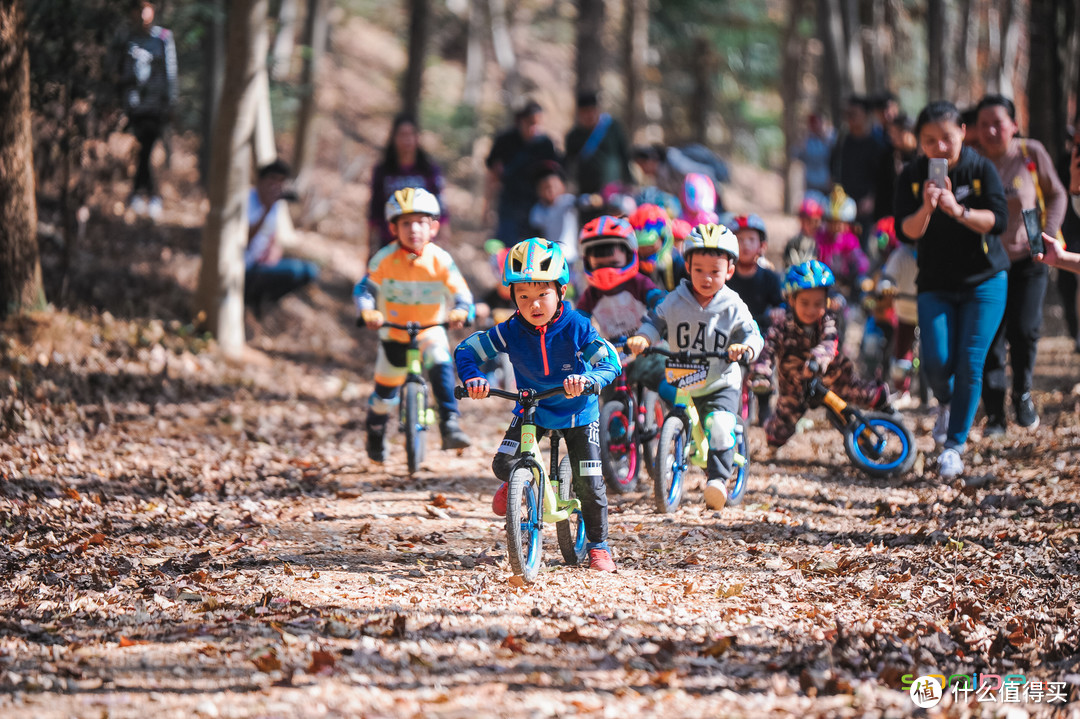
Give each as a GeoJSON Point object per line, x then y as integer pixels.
{"type": "Point", "coordinates": [637, 344]}
{"type": "Point", "coordinates": [373, 319]}
{"type": "Point", "coordinates": [477, 388]}
{"type": "Point", "coordinates": [457, 318]}
{"type": "Point", "coordinates": [575, 385]}
{"type": "Point", "coordinates": [735, 352]}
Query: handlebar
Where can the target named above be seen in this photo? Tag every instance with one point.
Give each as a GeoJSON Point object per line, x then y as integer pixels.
{"type": "Point", "coordinates": [684, 356]}
{"type": "Point", "coordinates": [410, 327]}
{"type": "Point", "coordinates": [526, 397]}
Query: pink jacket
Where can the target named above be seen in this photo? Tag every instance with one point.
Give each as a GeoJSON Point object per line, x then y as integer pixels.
{"type": "Point", "coordinates": [843, 255]}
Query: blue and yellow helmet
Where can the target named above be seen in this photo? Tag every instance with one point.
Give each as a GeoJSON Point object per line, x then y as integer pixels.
{"type": "Point", "coordinates": [807, 276]}
{"type": "Point", "coordinates": [535, 260]}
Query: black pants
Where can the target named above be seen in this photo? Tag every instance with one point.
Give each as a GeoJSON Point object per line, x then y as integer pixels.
{"type": "Point", "coordinates": [1020, 329]}
{"type": "Point", "coordinates": [147, 130]}
{"type": "Point", "coordinates": [1067, 289]}
{"type": "Point", "coordinates": [721, 463]}
{"type": "Point", "coordinates": [583, 447]}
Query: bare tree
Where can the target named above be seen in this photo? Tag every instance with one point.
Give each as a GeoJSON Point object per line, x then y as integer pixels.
{"type": "Point", "coordinates": [413, 82]}
{"type": "Point", "coordinates": [701, 104]}
{"type": "Point", "coordinates": [285, 40]}
{"type": "Point", "coordinates": [831, 32]}
{"type": "Point", "coordinates": [20, 269]}
{"type": "Point", "coordinates": [220, 297]}
{"type": "Point", "coordinates": [635, 58]}
{"type": "Point", "coordinates": [591, 55]}
{"type": "Point", "coordinates": [506, 57]}
{"type": "Point", "coordinates": [316, 29]}
{"type": "Point", "coordinates": [790, 72]}
{"type": "Point", "coordinates": [213, 45]}
{"type": "Point", "coordinates": [853, 53]}
{"type": "Point", "coordinates": [474, 57]}
{"type": "Point", "coordinates": [1046, 107]}
{"type": "Point", "coordinates": [937, 53]}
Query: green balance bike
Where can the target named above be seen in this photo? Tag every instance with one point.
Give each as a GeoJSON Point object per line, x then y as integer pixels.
{"type": "Point", "coordinates": [534, 496]}
{"type": "Point", "coordinates": [682, 441]}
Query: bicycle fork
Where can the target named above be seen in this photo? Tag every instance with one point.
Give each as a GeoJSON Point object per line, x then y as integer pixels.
{"type": "Point", "coordinates": [554, 509]}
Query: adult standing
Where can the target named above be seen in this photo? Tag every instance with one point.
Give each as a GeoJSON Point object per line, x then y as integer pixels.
{"type": "Point", "coordinates": [1030, 181]}
{"type": "Point", "coordinates": [597, 152]}
{"type": "Point", "coordinates": [1070, 230]}
{"type": "Point", "coordinates": [148, 90]}
{"type": "Point", "coordinates": [815, 154]}
{"type": "Point", "coordinates": [404, 164]}
{"type": "Point", "coordinates": [855, 160]}
{"type": "Point", "coordinates": [962, 270]}
{"type": "Point", "coordinates": [515, 158]}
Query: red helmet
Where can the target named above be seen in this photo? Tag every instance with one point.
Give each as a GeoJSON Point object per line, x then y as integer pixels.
{"type": "Point", "coordinates": [608, 230]}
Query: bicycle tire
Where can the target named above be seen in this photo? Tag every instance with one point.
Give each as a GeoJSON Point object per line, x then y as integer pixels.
{"type": "Point", "coordinates": [571, 532]}
{"type": "Point", "coordinates": [524, 540]}
{"type": "Point", "coordinates": [671, 466]}
{"type": "Point", "coordinates": [654, 419]}
{"type": "Point", "coordinates": [867, 459]}
{"type": "Point", "coordinates": [620, 467]}
{"type": "Point", "coordinates": [739, 476]}
{"type": "Point", "coordinates": [414, 431]}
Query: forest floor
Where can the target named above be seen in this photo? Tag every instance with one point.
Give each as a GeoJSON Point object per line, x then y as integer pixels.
{"type": "Point", "coordinates": [184, 535]}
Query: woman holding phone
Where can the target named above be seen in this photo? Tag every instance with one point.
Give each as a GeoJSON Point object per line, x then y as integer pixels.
{"type": "Point", "coordinates": [1030, 182]}
{"type": "Point", "coordinates": [962, 269]}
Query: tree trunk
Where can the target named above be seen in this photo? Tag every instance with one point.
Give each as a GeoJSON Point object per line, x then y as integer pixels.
{"type": "Point", "coordinates": [213, 80]}
{"type": "Point", "coordinates": [20, 270]}
{"type": "Point", "coordinates": [831, 32]}
{"type": "Point", "coordinates": [419, 11]}
{"type": "Point", "coordinates": [316, 29]}
{"type": "Point", "coordinates": [502, 40]}
{"type": "Point", "coordinates": [220, 296]}
{"type": "Point", "coordinates": [876, 47]}
{"type": "Point", "coordinates": [474, 58]}
{"type": "Point", "coordinates": [790, 72]}
{"type": "Point", "coordinates": [1043, 102]}
{"type": "Point", "coordinates": [963, 54]}
{"type": "Point", "coordinates": [856, 70]}
{"type": "Point", "coordinates": [590, 45]}
{"type": "Point", "coordinates": [1011, 24]}
{"type": "Point", "coordinates": [636, 51]}
{"type": "Point", "coordinates": [937, 54]}
{"type": "Point", "coordinates": [263, 143]}
{"type": "Point", "coordinates": [284, 41]}
{"type": "Point", "coordinates": [701, 104]}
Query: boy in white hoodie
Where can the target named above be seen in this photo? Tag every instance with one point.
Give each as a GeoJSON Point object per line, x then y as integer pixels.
{"type": "Point", "coordinates": [702, 314]}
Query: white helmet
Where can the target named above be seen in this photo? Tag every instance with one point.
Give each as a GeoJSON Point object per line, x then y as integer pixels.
{"type": "Point", "coordinates": [711, 237]}
{"type": "Point", "coordinates": [412, 200]}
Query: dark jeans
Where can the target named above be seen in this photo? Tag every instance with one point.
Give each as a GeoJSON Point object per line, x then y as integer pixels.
{"type": "Point", "coordinates": [582, 445]}
{"type": "Point", "coordinates": [147, 130]}
{"type": "Point", "coordinates": [1067, 289]}
{"type": "Point", "coordinates": [1020, 330]}
{"type": "Point", "coordinates": [269, 283]}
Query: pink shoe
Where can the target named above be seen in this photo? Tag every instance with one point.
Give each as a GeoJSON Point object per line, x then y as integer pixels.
{"type": "Point", "coordinates": [498, 502]}
{"type": "Point", "coordinates": [600, 560]}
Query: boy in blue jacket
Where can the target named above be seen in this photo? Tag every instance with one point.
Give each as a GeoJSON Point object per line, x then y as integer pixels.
{"type": "Point", "coordinates": [549, 344]}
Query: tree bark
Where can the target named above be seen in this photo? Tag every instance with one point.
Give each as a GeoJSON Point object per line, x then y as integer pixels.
{"type": "Point", "coordinates": [831, 32]}
{"type": "Point", "coordinates": [502, 40]}
{"type": "Point", "coordinates": [419, 11]}
{"type": "Point", "coordinates": [937, 54]}
{"type": "Point", "coordinates": [220, 297]}
{"type": "Point", "coordinates": [285, 40]}
{"type": "Point", "coordinates": [213, 80]}
{"type": "Point", "coordinates": [474, 57]}
{"type": "Point", "coordinates": [1044, 105]}
{"type": "Point", "coordinates": [590, 45]}
{"type": "Point", "coordinates": [20, 269]}
{"type": "Point", "coordinates": [790, 72]}
{"type": "Point", "coordinates": [701, 104]}
{"type": "Point", "coordinates": [856, 70]}
{"type": "Point", "coordinates": [316, 29]}
{"type": "Point", "coordinates": [636, 51]}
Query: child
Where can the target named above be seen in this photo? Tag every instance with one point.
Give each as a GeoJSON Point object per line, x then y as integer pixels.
{"type": "Point", "coordinates": [412, 280]}
{"type": "Point", "coordinates": [758, 287]}
{"type": "Point", "coordinates": [704, 315]}
{"type": "Point", "coordinates": [808, 332]}
{"type": "Point", "coordinates": [838, 246]}
{"type": "Point", "coordinates": [655, 240]}
{"type": "Point", "coordinates": [803, 246]}
{"type": "Point", "coordinates": [898, 291]}
{"type": "Point", "coordinates": [549, 344]}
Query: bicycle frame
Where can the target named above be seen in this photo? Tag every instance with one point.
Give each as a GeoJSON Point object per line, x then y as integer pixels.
{"type": "Point", "coordinates": [840, 413]}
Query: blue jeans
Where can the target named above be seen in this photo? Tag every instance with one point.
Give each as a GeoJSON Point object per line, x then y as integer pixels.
{"type": "Point", "coordinates": [957, 328]}
{"type": "Point", "coordinates": [269, 283]}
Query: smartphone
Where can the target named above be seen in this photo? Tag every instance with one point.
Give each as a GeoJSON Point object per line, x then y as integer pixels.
{"type": "Point", "coordinates": [1034, 232]}
{"type": "Point", "coordinates": [939, 170]}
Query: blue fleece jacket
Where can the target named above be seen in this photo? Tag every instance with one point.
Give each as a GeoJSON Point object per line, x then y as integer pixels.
{"type": "Point", "coordinates": [543, 357]}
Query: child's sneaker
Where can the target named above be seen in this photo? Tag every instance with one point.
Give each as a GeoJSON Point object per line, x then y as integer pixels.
{"type": "Point", "coordinates": [950, 464]}
{"type": "Point", "coordinates": [941, 426]}
{"type": "Point", "coordinates": [453, 437]}
{"type": "Point", "coordinates": [376, 445]}
{"type": "Point", "coordinates": [715, 494]}
{"type": "Point", "coordinates": [600, 560]}
{"type": "Point", "coordinates": [498, 502]}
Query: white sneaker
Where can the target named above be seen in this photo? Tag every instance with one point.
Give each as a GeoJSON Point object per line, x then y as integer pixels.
{"type": "Point", "coordinates": [715, 494]}
{"type": "Point", "coordinates": [941, 426]}
{"type": "Point", "coordinates": [950, 465]}
{"type": "Point", "coordinates": [138, 205]}
{"type": "Point", "coordinates": [153, 209]}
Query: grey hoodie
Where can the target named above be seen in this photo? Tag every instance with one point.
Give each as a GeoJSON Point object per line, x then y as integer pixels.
{"type": "Point", "coordinates": [689, 326]}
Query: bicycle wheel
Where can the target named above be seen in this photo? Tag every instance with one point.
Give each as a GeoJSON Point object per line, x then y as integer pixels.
{"type": "Point", "coordinates": [649, 431]}
{"type": "Point", "coordinates": [571, 532]}
{"type": "Point", "coordinates": [737, 483]}
{"type": "Point", "coordinates": [891, 454]}
{"type": "Point", "coordinates": [523, 521]}
{"type": "Point", "coordinates": [415, 406]}
{"type": "Point", "coordinates": [618, 451]}
{"type": "Point", "coordinates": [671, 465]}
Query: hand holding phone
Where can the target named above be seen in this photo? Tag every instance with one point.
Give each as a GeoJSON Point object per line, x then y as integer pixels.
{"type": "Point", "coordinates": [1034, 232]}
{"type": "Point", "coordinates": [938, 172]}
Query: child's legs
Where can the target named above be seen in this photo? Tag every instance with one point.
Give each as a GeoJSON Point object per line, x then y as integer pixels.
{"type": "Point", "coordinates": [583, 448]}
{"type": "Point", "coordinates": [841, 378]}
{"type": "Point", "coordinates": [718, 415]}
{"type": "Point", "coordinates": [978, 318]}
{"type": "Point", "coordinates": [389, 376]}
{"type": "Point", "coordinates": [508, 452]}
{"type": "Point", "coordinates": [937, 318]}
{"type": "Point", "coordinates": [790, 401]}
{"type": "Point", "coordinates": [435, 350]}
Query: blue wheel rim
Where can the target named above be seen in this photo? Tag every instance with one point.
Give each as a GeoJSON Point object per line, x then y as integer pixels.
{"type": "Point", "coordinates": [889, 428]}
{"type": "Point", "coordinates": [740, 475]}
{"type": "Point", "coordinates": [530, 526]}
{"type": "Point", "coordinates": [677, 469]}
{"type": "Point", "coordinates": [579, 534]}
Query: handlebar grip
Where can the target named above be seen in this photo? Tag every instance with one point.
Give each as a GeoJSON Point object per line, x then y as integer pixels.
{"type": "Point", "coordinates": [460, 392]}
{"type": "Point", "coordinates": [813, 366]}
{"type": "Point", "coordinates": [593, 388]}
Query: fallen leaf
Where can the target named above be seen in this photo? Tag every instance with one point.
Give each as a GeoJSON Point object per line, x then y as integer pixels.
{"type": "Point", "coordinates": [516, 581]}
{"type": "Point", "coordinates": [322, 662]}
{"type": "Point", "coordinates": [515, 645]}
{"type": "Point", "coordinates": [266, 660]}
{"type": "Point", "coordinates": [572, 636]}
{"type": "Point", "coordinates": [718, 647]}
{"type": "Point", "coordinates": [439, 501]}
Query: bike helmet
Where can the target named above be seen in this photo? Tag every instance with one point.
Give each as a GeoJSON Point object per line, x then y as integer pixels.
{"type": "Point", "coordinates": [608, 230]}
{"type": "Point", "coordinates": [813, 204]}
{"type": "Point", "coordinates": [654, 234]}
{"type": "Point", "coordinates": [711, 237]}
{"type": "Point", "coordinates": [411, 200]}
{"type": "Point", "coordinates": [749, 222]}
{"type": "Point", "coordinates": [535, 260]}
{"type": "Point", "coordinates": [699, 199]}
{"type": "Point", "coordinates": [665, 200]}
{"type": "Point", "coordinates": [807, 276]}
{"type": "Point", "coordinates": [840, 206]}
{"type": "Point", "coordinates": [885, 235]}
